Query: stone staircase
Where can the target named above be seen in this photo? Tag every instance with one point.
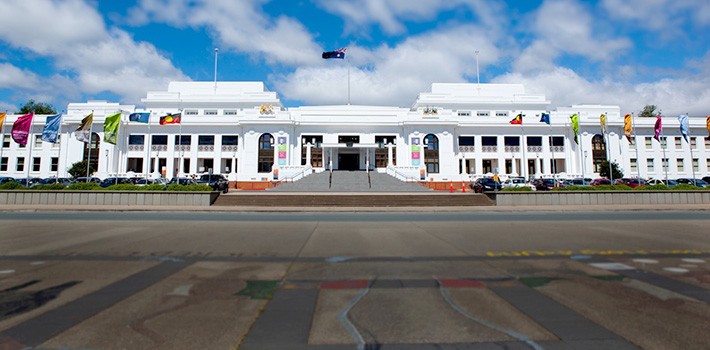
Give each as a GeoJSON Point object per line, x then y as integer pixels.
{"type": "Point", "coordinates": [349, 181]}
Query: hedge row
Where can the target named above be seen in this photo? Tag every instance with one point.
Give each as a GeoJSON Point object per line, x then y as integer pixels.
{"type": "Point", "coordinates": [90, 186]}
{"type": "Point", "coordinates": [683, 187]}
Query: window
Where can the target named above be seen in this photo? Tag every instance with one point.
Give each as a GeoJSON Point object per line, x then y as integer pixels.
{"type": "Point", "coordinates": [55, 164]}
{"type": "Point", "coordinates": [205, 140]}
{"type": "Point", "coordinates": [36, 163]}
{"type": "Point", "coordinates": [431, 153]}
{"type": "Point", "coordinates": [557, 141]}
{"type": "Point", "coordinates": [678, 143]}
{"type": "Point", "coordinates": [266, 153]}
{"type": "Point", "coordinates": [3, 163]}
{"type": "Point", "coordinates": [159, 139]}
{"type": "Point", "coordinates": [632, 145]}
{"type": "Point", "coordinates": [680, 164]}
{"type": "Point", "coordinates": [135, 165]}
{"type": "Point", "coordinates": [501, 114]}
{"type": "Point", "coordinates": [664, 142]}
{"type": "Point", "coordinates": [649, 142]}
{"type": "Point", "coordinates": [20, 164]}
{"type": "Point", "coordinates": [191, 112]}
{"type": "Point", "coordinates": [489, 141]}
{"type": "Point", "coordinates": [483, 114]}
{"type": "Point", "coordinates": [707, 163]}
{"type": "Point", "coordinates": [467, 141]}
{"type": "Point", "coordinates": [183, 140]}
{"type": "Point", "coordinates": [382, 152]}
{"type": "Point", "coordinates": [38, 141]}
{"type": "Point", "coordinates": [696, 165]}
{"type": "Point", "coordinates": [510, 141]}
{"type": "Point", "coordinates": [230, 140]}
{"type": "Point", "coordinates": [693, 143]}
{"type": "Point", "coordinates": [211, 112]}
{"type": "Point", "coordinates": [232, 112]}
{"type": "Point", "coordinates": [316, 150]}
{"type": "Point", "coordinates": [633, 165]}
{"type": "Point", "coordinates": [6, 141]}
{"type": "Point", "coordinates": [598, 152]}
{"type": "Point", "coordinates": [136, 139]}
{"type": "Point", "coordinates": [535, 141]}
{"type": "Point", "coordinates": [664, 161]}
{"type": "Point", "coordinates": [707, 143]}
{"type": "Point", "coordinates": [649, 165]}
{"type": "Point", "coordinates": [464, 113]}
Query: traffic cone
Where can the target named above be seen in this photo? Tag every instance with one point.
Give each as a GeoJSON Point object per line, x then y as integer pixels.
{"type": "Point", "coordinates": [463, 186]}
{"type": "Point", "coordinates": [451, 187]}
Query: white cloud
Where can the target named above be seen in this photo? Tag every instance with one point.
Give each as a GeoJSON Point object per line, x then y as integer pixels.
{"type": "Point", "coordinates": [7, 107]}
{"type": "Point", "coordinates": [394, 75]}
{"type": "Point", "coordinates": [74, 34]}
{"type": "Point", "coordinates": [663, 16]}
{"type": "Point", "coordinates": [12, 77]}
{"type": "Point", "coordinates": [238, 25]}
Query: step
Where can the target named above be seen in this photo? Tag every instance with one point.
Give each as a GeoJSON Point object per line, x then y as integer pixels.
{"type": "Point", "coordinates": [354, 200]}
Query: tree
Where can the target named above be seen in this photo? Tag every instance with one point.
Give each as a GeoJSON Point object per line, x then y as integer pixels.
{"type": "Point", "coordinates": [648, 111]}
{"type": "Point", "coordinates": [78, 169]}
{"type": "Point", "coordinates": [37, 108]}
{"type": "Point", "coordinates": [616, 170]}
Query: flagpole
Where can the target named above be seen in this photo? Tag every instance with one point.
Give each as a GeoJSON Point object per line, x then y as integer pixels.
{"type": "Point", "coordinates": [638, 164]}
{"type": "Point", "coordinates": [348, 80]}
{"type": "Point", "coordinates": [216, 50]}
{"type": "Point", "coordinates": [2, 138]}
{"type": "Point", "coordinates": [149, 142]}
{"type": "Point", "coordinates": [690, 145]}
{"type": "Point", "coordinates": [581, 149]}
{"type": "Point", "coordinates": [180, 150]}
{"type": "Point", "coordinates": [663, 146]}
{"type": "Point", "coordinates": [552, 152]}
{"type": "Point", "coordinates": [88, 161]}
{"type": "Point", "coordinates": [523, 146]}
{"type": "Point", "coordinates": [608, 146]}
{"type": "Point", "coordinates": [59, 138]}
{"type": "Point", "coordinates": [29, 156]}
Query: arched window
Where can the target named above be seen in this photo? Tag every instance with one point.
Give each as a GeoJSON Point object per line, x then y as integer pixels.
{"type": "Point", "coordinates": [93, 149]}
{"type": "Point", "coordinates": [431, 154]}
{"type": "Point", "coordinates": [598, 152]}
{"type": "Point", "coordinates": [266, 153]}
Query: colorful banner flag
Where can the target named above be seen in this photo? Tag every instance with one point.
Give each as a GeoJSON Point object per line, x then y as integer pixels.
{"type": "Point", "coordinates": [340, 53]}
{"type": "Point", "coordinates": [683, 120]}
{"type": "Point", "coordinates": [707, 124]}
{"type": "Point", "coordinates": [575, 126]}
{"type": "Point", "coordinates": [602, 122]}
{"type": "Point", "coordinates": [111, 124]}
{"type": "Point", "coordinates": [658, 128]}
{"type": "Point", "coordinates": [83, 132]}
{"type": "Point", "coordinates": [51, 128]}
{"type": "Point", "coordinates": [140, 117]}
{"type": "Point", "coordinates": [171, 119]}
{"type": "Point", "coordinates": [628, 127]}
{"type": "Point", "coordinates": [545, 118]}
{"type": "Point", "coordinates": [518, 120]}
{"type": "Point", "coordinates": [21, 128]}
{"type": "Point", "coordinates": [2, 119]}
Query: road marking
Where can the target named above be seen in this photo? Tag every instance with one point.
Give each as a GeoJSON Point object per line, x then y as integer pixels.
{"type": "Point", "coordinates": [694, 261]}
{"type": "Point", "coordinates": [577, 254]}
{"type": "Point", "coordinates": [6, 272]}
{"type": "Point", "coordinates": [35, 263]}
{"type": "Point", "coordinates": [612, 266]}
{"type": "Point", "coordinates": [645, 261]}
{"type": "Point", "coordinates": [675, 269]}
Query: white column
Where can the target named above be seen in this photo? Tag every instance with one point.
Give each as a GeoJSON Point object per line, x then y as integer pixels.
{"type": "Point", "coordinates": [308, 153]}
{"type": "Point", "coordinates": [389, 155]}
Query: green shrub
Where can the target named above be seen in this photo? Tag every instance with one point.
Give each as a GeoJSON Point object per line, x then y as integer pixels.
{"type": "Point", "coordinates": [155, 187]}
{"type": "Point", "coordinates": [517, 189]}
{"type": "Point", "coordinates": [612, 188]}
{"type": "Point", "coordinates": [686, 187]}
{"type": "Point", "coordinates": [11, 186]}
{"type": "Point", "coordinates": [192, 188]}
{"type": "Point", "coordinates": [48, 187]}
{"type": "Point", "coordinates": [574, 188]}
{"type": "Point", "coordinates": [124, 187]}
{"type": "Point", "coordinates": [658, 187]}
{"type": "Point", "coordinates": [85, 186]}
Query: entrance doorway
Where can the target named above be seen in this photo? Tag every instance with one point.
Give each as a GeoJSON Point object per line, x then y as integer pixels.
{"type": "Point", "coordinates": [349, 161]}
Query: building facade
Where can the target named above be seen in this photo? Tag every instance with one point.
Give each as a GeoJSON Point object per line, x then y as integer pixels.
{"type": "Point", "coordinates": [455, 132]}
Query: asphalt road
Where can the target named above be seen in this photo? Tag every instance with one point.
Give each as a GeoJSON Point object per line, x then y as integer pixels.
{"type": "Point", "coordinates": [190, 280]}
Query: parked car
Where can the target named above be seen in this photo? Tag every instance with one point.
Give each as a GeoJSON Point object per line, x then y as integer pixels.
{"type": "Point", "coordinates": [216, 181]}
{"type": "Point", "coordinates": [695, 182]}
{"type": "Point", "coordinates": [28, 182]}
{"type": "Point", "coordinates": [95, 180]}
{"type": "Point", "coordinates": [146, 182]}
{"type": "Point", "coordinates": [545, 184]}
{"type": "Point", "coordinates": [5, 179]}
{"type": "Point", "coordinates": [182, 181]}
{"type": "Point", "coordinates": [65, 181]}
{"type": "Point", "coordinates": [600, 181]}
{"type": "Point", "coordinates": [670, 183]}
{"type": "Point", "coordinates": [110, 181]}
{"type": "Point", "coordinates": [707, 179]}
{"type": "Point", "coordinates": [485, 184]}
{"type": "Point", "coordinates": [579, 182]}
{"type": "Point", "coordinates": [633, 183]}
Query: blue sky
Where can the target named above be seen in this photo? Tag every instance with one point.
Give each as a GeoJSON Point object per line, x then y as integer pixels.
{"type": "Point", "coordinates": [625, 52]}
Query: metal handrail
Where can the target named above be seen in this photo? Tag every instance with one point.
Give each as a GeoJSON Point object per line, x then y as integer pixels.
{"type": "Point", "coordinates": [399, 175]}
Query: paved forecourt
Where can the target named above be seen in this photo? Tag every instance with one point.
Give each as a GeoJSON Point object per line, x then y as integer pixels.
{"type": "Point", "coordinates": [318, 281]}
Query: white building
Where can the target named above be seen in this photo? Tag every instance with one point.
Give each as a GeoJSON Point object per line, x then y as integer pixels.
{"type": "Point", "coordinates": [455, 132]}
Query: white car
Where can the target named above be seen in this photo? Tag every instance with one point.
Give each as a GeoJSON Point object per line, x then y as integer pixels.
{"type": "Point", "coordinates": [515, 182]}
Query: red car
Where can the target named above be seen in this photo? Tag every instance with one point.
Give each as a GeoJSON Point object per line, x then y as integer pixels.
{"type": "Point", "coordinates": [633, 183]}
{"type": "Point", "coordinates": [600, 181]}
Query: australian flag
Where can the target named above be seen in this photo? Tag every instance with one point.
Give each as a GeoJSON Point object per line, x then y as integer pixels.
{"type": "Point", "coordinates": [335, 54]}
